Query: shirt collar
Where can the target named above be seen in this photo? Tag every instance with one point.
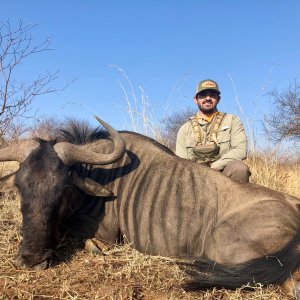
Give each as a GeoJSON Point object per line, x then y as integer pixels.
{"type": "Point", "coordinates": [206, 119]}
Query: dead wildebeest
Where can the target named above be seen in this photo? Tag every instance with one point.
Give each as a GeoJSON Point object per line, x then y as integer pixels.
{"type": "Point", "coordinates": [233, 234]}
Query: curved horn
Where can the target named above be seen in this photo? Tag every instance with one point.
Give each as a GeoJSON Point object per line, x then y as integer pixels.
{"type": "Point", "coordinates": [71, 154]}
{"type": "Point", "coordinates": [18, 152]}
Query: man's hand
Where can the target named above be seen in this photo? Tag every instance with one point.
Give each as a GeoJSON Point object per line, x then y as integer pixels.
{"type": "Point", "coordinates": [213, 167]}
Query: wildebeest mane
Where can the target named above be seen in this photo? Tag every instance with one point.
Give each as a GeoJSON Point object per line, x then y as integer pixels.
{"type": "Point", "coordinates": [79, 133]}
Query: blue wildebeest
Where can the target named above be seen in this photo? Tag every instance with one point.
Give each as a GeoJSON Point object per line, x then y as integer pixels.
{"type": "Point", "coordinates": [230, 234]}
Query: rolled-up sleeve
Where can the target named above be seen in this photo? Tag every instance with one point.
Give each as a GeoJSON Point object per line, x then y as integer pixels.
{"type": "Point", "coordinates": [181, 148]}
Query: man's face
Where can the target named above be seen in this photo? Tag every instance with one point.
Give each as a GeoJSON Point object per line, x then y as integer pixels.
{"type": "Point", "coordinates": [207, 101]}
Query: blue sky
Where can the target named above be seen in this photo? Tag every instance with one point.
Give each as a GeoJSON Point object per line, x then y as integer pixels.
{"type": "Point", "coordinates": [165, 47]}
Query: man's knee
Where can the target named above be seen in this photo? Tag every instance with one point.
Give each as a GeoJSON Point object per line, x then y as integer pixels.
{"type": "Point", "coordinates": [238, 171]}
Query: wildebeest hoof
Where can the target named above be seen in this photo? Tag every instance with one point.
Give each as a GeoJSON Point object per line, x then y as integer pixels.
{"type": "Point", "coordinates": [94, 246]}
{"type": "Point", "coordinates": [91, 247]}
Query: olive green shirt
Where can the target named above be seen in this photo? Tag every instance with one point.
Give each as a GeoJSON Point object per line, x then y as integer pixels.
{"type": "Point", "coordinates": [231, 138]}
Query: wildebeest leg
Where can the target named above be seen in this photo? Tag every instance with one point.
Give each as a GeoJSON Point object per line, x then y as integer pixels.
{"type": "Point", "coordinates": [292, 285]}
{"type": "Point", "coordinates": [95, 246]}
{"type": "Point", "coordinates": [103, 242]}
{"type": "Point", "coordinates": [108, 230]}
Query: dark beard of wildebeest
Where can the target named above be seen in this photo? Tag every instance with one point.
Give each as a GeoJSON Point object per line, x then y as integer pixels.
{"type": "Point", "coordinates": [228, 234]}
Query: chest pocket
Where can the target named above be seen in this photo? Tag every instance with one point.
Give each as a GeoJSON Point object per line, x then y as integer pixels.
{"type": "Point", "coordinates": [223, 140]}
{"type": "Point", "coordinates": [224, 135]}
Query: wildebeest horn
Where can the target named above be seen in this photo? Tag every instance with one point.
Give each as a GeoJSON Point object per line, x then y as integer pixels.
{"type": "Point", "coordinates": [18, 152]}
{"type": "Point", "coordinates": [70, 153]}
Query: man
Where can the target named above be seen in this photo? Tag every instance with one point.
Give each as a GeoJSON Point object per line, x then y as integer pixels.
{"type": "Point", "coordinates": [215, 139]}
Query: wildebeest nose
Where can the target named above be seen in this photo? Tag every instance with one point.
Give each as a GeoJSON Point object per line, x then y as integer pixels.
{"type": "Point", "coordinates": [20, 263]}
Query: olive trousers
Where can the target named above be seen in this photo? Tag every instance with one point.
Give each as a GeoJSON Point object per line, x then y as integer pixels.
{"type": "Point", "coordinates": [238, 171]}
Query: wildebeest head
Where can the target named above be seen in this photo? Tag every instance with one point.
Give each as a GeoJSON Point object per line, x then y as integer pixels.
{"type": "Point", "coordinates": [45, 179]}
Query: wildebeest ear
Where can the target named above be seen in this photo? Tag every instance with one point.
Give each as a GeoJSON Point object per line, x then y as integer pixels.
{"type": "Point", "coordinates": [90, 186]}
{"type": "Point", "coordinates": [7, 182]}
{"type": "Point", "coordinates": [93, 188]}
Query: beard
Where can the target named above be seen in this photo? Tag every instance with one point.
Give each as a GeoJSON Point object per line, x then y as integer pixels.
{"type": "Point", "coordinates": [205, 108]}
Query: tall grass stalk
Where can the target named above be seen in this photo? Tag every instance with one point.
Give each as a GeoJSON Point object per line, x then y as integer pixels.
{"type": "Point", "coordinates": [139, 114]}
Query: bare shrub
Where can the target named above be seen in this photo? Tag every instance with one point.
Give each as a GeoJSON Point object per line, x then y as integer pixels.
{"type": "Point", "coordinates": [284, 121]}
{"type": "Point", "coordinates": [16, 95]}
{"type": "Point", "coordinates": [172, 124]}
{"type": "Point", "coordinates": [45, 128]}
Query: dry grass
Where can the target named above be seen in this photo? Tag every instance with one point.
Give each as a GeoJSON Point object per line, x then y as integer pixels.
{"type": "Point", "coordinates": [272, 172]}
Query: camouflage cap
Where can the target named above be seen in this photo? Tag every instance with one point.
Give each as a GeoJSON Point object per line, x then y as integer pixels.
{"type": "Point", "coordinates": [207, 84]}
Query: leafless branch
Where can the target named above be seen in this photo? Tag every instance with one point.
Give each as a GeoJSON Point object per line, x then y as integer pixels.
{"type": "Point", "coordinates": [284, 121]}
{"type": "Point", "coordinates": [172, 125]}
{"type": "Point", "coordinates": [16, 96]}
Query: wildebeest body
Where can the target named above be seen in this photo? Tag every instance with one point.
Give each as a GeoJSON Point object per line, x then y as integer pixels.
{"type": "Point", "coordinates": [163, 205]}
{"type": "Point", "coordinates": [169, 206]}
